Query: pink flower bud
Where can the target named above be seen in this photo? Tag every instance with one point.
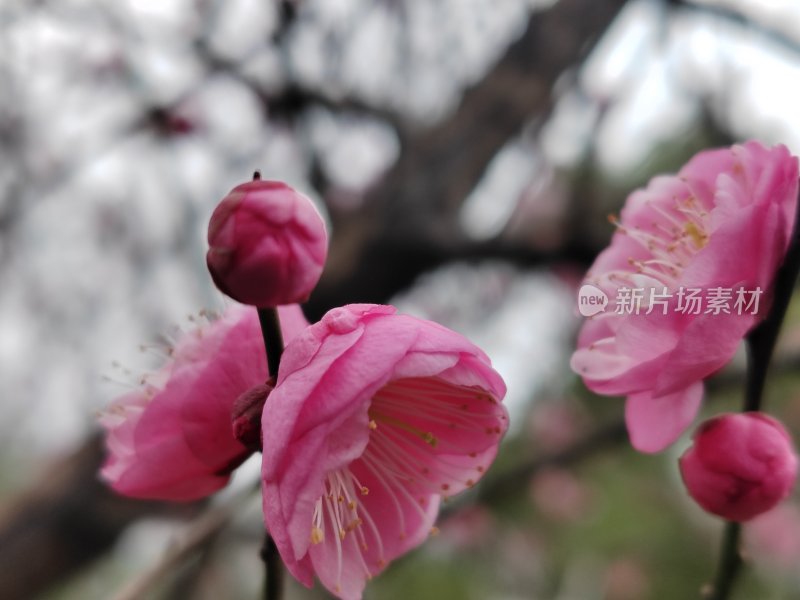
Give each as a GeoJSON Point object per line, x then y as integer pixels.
{"type": "Point", "coordinates": [267, 244]}
{"type": "Point", "coordinates": [740, 465]}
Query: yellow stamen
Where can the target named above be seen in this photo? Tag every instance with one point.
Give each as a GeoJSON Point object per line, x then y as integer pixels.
{"type": "Point", "coordinates": [317, 535]}
{"type": "Point", "coordinates": [699, 237]}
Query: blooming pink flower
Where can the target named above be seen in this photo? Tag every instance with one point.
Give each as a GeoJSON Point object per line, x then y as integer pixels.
{"type": "Point", "coordinates": [724, 221]}
{"type": "Point", "coordinates": [740, 465]}
{"type": "Point", "coordinates": [267, 244]}
{"type": "Point", "coordinates": [374, 418]}
{"type": "Point", "coordinates": [172, 439]}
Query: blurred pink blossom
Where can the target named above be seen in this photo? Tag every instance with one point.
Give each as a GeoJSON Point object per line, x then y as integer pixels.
{"type": "Point", "coordinates": [267, 244]}
{"type": "Point", "coordinates": [375, 417]}
{"type": "Point", "coordinates": [740, 465]}
{"type": "Point", "coordinates": [773, 538]}
{"type": "Point", "coordinates": [470, 527]}
{"type": "Point", "coordinates": [626, 579]}
{"type": "Point", "coordinates": [172, 439]}
{"type": "Point", "coordinates": [555, 425]}
{"type": "Point", "coordinates": [559, 495]}
{"type": "Point", "coordinates": [724, 221]}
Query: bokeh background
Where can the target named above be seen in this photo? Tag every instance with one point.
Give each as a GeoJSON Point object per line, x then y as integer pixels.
{"type": "Point", "coordinates": [465, 154]}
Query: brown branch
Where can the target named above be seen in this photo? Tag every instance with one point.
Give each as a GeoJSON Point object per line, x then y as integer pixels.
{"type": "Point", "coordinates": [419, 197]}
{"type": "Point", "coordinates": [512, 481]}
{"type": "Point", "coordinates": [440, 166]}
{"type": "Point", "coordinates": [746, 22]}
{"type": "Point", "coordinates": [504, 484]}
{"type": "Point", "coordinates": [290, 102]}
{"type": "Point", "coordinates": [64, 523]}
{"type": "Point", "coordinates": [70, 518]}
{"type": "Point", "coordinates": [201, 532]}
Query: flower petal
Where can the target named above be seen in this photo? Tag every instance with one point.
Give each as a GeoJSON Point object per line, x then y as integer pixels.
{"type": "Point", "coordinates": [367, 395]}
{"type": "Point", "coordinates": [174, 441]}
{"type": "Point", "coordinates": [390, 521]}
{"type": "Point", "coordinates": [656, 422]}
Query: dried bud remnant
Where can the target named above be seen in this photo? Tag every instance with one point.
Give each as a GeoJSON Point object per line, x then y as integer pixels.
{"type": "Point", "coordinates": [246, 415]}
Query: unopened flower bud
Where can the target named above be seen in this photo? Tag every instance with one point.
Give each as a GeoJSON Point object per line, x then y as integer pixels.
{"type": "Point", "coordinates": [267, 244]}
{"type": "Point", "coordinates": [246, 415]}
{"type": "Point", "coordinates": [741, 465]}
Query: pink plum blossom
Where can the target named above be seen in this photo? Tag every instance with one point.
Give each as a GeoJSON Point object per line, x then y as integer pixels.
{"type": "Point", "coordinates": [741, 465]}
{"type": "Point", "coordinates": [267, 244]}
{"type": "Point", "coordinates": [172, 438]}
{"type": "Point", "coordinates": [375, 417]}
{"type": "Point", "coordinates": [724, 221]}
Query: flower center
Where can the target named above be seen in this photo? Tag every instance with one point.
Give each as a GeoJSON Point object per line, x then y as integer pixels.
{"type": "Point", "coordinates": [671, 239]}
{"type": "Point", "coordinates": [338, 508]}
{"type": "Point", "coordinates": [427, 438]}
{"type": "Point", "coordinates": [696, 234]}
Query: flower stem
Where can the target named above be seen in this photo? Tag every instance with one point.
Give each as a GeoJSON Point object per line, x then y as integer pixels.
{"type": "Point", "coordinates": [730, 562]}
{"type": "Point", "coordinates": [273, 338]}
{"type": "Point", "coordinates": [760, 347]}
{"type": "Point", "coordinates": [273, 586]}
{"type": "Point", "coordinates": [273, 345]}
{"type": "Point", "coordinates": [761, 341]}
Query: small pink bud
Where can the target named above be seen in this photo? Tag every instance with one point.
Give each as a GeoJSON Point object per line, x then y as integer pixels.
{"type": "Point", "coordinates": [246, 415]}
{"type": "Point", "coordinates": [741, 465]}
{"type": "Point", "coordinates": [267, 244]}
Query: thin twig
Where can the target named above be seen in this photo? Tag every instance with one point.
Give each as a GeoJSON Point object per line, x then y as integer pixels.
{"type": "Point", "coordinates": [730, 563]}
{"type": "Point", "coordinates": [202, 531]}
{"type": "Point", "coordinates": [273, 587]}
{"type": "Point", "coordinates": [761, 341]}
{"type": "Point", "coordinates": [508, 482]}
{"type": "Point", "coordinates": [760, 346]}
{"type": "Point", "coordinates": [749, 22]}
{"type": "Point", "coordinates": [273, 345]}
{"type": "Point", "coordinates": [273, 338]}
